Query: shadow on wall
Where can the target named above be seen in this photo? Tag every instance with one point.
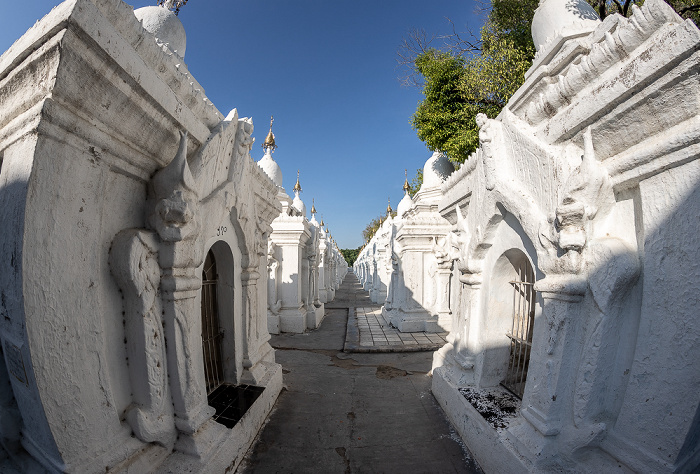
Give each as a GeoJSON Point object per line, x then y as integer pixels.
{"type": "Point", "coordinates": [632, 351]}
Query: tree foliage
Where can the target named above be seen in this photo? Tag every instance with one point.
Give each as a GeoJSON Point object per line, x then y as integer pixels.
{"type": "Point", "coordinates": [466, 78]}
{"type": "Point", "coordinates": [350, 255]}
{"type": "Point", "coordinates": [374, 225]}
{"type": "Point", "coordinates": [462, 78]}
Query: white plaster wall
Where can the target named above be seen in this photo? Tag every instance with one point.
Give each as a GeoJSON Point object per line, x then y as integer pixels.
{"type": "Point", "coordinates": [667, 349]}
{"type": "Point", "coordinates": [14, 177]}
{"type": "Point", "coordinates": [68, 218]}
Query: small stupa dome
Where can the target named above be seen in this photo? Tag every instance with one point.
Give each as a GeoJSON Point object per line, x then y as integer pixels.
{"type": "Point", "coordinates": [271, 168]}
{"type": "Point", "coordinates": [165, 26]}
{"type": "Point", "coordinates": [436, 170]}
{"type": "Point", "coordinates": [554, 16]}
{"type": "Point", "coordinates": [299, 205]}
{"type": "Point", "coordinates": [404, 205]}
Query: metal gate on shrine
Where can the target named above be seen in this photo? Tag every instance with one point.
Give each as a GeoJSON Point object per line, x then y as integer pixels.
{"type": "Point", "coordinates": [211, 330]}
{"type": "Point", "coordinates": [520, 334]}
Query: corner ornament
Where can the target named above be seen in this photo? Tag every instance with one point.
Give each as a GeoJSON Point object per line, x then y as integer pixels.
{"type": "Point", "coordinates": [176, 199]}
{"type": "Point", "coordinates": [582, 259]}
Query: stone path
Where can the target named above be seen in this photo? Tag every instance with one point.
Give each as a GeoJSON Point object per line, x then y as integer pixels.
{"type": "Point", "coordinates": [367, 331]}
{"type": "Point", "coordinates": [354, 412]}
{"type": "Point", "coordinates": [375, 335]}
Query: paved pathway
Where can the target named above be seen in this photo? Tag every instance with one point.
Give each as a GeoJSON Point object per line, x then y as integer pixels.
{"type": "Point", "coordinates": [354, 412]}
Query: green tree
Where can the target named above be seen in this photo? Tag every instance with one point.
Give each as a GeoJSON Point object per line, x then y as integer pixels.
{"type": "Point", "coordinates": [374, 225]}
{"type": "Point", "coordinates": [350, 255]}
{"type": "Point", "coordinates": [466, 78]}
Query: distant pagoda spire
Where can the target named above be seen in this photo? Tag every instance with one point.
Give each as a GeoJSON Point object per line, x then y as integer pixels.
{"type": "Point", "coordinates": [297, 187]}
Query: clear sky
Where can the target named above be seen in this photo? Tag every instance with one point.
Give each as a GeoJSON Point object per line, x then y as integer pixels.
{"type": "Point", "coordinates": [327, 72]}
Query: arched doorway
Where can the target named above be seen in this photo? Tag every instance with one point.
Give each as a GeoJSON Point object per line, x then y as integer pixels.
{"type": "Point", "coordinates": [211, 329]}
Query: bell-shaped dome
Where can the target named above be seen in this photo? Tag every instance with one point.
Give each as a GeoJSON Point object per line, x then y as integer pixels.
{"type": "Point", "coordinates": [271, 168]}
{"type": "Point", "coordinates": [404, 206]}
{"type": "Point", "coordinates": [299, 205]}
{"type": "Point", "coordinates": [552, 17]}
{"type": "Point", "coordinates": [436, 170]}
{"type": "Point", "coordinates": [165, 26]}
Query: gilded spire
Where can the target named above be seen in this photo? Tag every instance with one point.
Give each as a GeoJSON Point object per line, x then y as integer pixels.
{"type": "Point", "coordinates": [173, 5]}
{"type": "Point", "coordinates": [269, 142]}
{"type": "Point", "coordinates": [297, 187]}
{"type": "Point", "coordinates": [322, 224]}
{"type": "Point", "coordinates": [406, 186]}
{"type": "Point", "coordinates": [313, 206]}
{"type": "Point", "coordinates": [388, 208]}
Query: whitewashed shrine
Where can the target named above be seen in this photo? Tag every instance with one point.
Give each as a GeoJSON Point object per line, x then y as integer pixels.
{"type": "Point", "coordinates": [402, 266]}
{"type": "Point", "coordinates": [132, 255]}
{"type": "Point", "coordinates": [300, 279]}
{"type": "Point", "coordinates": [572, 253]}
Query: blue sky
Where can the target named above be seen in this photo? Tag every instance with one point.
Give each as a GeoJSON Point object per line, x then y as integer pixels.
{"type": "Point", "coordinates": [327, 71]}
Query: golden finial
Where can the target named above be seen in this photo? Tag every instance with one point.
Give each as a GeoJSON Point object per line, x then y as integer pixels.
{"type": "Point", "coordinates": [388, 208]}
{"type": "Point", "coordinates": [270, 139]}
{"type": "Point", "coordinates": [313, 206]}
{"type": "Point", "coordinates": [322, 224]}
{"type": "Point", "coordinates": [297, 187]}
{"type": "Point", "coordinates": [406, 187]}
{"type": "Point", "coordinates": [173, 5]}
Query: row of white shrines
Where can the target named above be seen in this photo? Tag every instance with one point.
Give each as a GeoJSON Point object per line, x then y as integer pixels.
{"type": "Point", "coordinates": [562, 256]}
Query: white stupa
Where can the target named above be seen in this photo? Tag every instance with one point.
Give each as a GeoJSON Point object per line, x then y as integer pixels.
{"type": "Point", "coordinates": [559, 17]}
{"type": "Point", "coordinates": [165, 26]}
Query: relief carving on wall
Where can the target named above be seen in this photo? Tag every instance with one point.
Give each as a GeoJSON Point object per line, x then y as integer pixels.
{"type": "Point", "coordinates": [581, 251]}
{"type": "Point", "coordinates": [175, 199]}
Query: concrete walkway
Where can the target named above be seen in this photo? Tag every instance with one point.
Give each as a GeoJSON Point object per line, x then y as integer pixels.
{"type": "Point", "coordinates": [354, 412]}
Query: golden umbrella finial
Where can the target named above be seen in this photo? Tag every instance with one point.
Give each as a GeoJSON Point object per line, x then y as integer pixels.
{"type": "Point", "coordinates": [388, 208]}
{"type": "Point", "coordinates": [270, 139]}
{"type": "Point", "coordinates": [313, 206]}
{"type": "Point", "coordinates": [406, 187]}
{"type": "Point", "coordinates": [297, 187]}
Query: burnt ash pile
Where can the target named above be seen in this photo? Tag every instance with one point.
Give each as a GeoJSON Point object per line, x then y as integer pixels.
{"type": "Point", "coordinates": [496, 405]}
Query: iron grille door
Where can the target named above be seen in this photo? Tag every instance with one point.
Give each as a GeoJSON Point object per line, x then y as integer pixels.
{"type": "Point", "coordinates": [211, 332]}
{"type": "Point", "coordinates": [521, 331]}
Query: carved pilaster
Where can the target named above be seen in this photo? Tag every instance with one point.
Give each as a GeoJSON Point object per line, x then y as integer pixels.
{"type": "Point", "coordinates": [255, 323]}
{"type": "Point", "coordinates": [175, 216]}
{"type": "Point", "coordinates": [134, 264]}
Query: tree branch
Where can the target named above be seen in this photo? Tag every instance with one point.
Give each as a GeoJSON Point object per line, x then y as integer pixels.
{"type": "Point", "coordinates": [619, 7]}
{"type": "Point", "coordinates": [602, 9]}
{"type": "Point", "coordinates": [690, 9]}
